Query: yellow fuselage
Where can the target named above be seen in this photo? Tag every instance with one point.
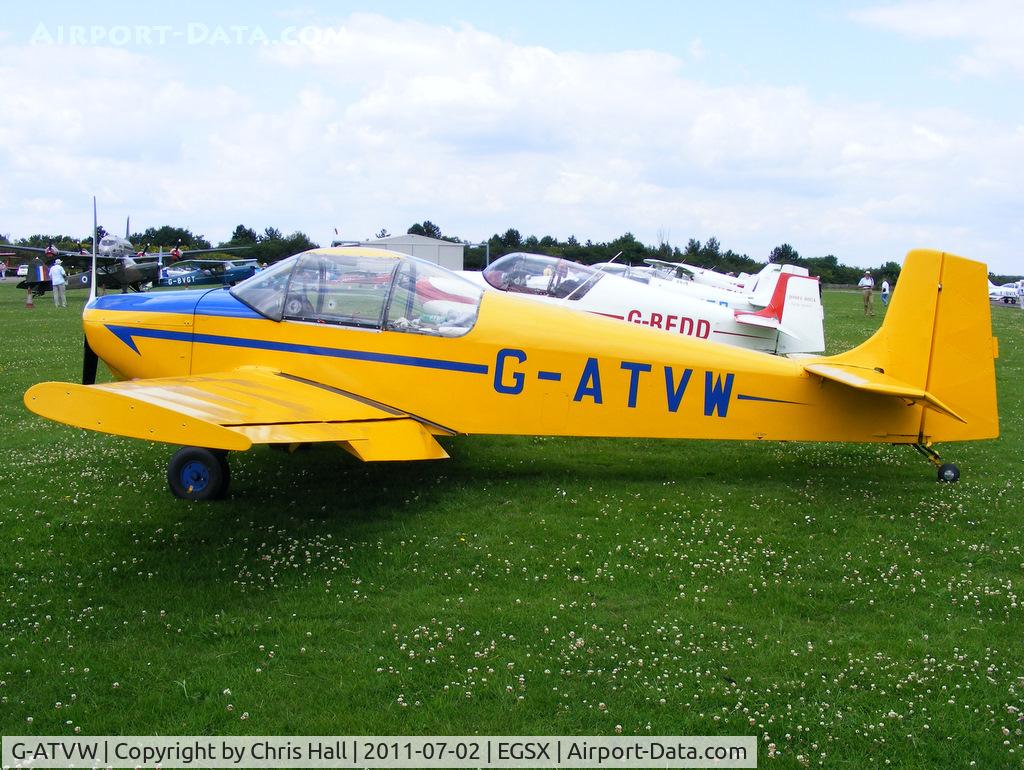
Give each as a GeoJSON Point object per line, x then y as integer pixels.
{"type": "Point", "coordinates": [523, 369]}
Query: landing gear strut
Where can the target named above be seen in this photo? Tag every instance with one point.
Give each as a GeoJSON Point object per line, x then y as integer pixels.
{"type": "Point", "coordinates": [948, 472]}
{"type": "Point", "coordinates": [195, 473]}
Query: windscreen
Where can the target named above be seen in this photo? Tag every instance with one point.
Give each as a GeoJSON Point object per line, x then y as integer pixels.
{"type": "Point", "coordinates": [265, 291]}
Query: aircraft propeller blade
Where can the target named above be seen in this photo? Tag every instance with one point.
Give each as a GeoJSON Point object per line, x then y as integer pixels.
{"type": "Point", "coordinates": [89, 361]}
{"type": "Point", "coordinates": [95, 229]}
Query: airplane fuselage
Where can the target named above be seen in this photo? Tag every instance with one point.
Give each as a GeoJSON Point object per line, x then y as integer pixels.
{"type": "Point", "coordinates": [561, 373]}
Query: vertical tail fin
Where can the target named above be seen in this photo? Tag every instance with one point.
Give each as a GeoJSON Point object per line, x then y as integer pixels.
{"type": "Point", "coordinates": [803, 320]}
{"type": "Point", "coordinates": [795, 310]}
{"type": "Point", "coordinates": [936, 339]}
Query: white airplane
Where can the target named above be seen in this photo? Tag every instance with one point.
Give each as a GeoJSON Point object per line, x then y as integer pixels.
{"type": "Point", "coordinates": [789, 322]}
{"type": "Point", "coordinates": [1008, 293]}
{"type": "Point", "coordinates": [748, 292]}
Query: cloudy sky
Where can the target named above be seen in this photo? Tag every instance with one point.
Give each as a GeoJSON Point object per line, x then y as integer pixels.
{"type": "Point", "coordinates": [857, 129]}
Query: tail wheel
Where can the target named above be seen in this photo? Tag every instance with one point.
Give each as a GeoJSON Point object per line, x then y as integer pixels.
{"type": "Point", "coordinates": [195, 473]}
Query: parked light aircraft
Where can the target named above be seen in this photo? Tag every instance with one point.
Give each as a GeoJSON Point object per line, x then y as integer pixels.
{"type": "Point", "coordinates": [789, 321]}
{"type": "Point", "coordinates": [1008, 293]}
{"type": "Point", "coordinates": [755, 292]}
{"type": "Point", "coordinates": [299, 354]}
{"type": "Point", "coordinates": [707, 277]}
{"type": "Point", "coordinates": [200, 272]}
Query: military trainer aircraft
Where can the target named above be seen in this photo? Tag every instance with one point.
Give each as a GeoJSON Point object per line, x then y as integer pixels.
{"type": "Point", "coordinates": [386, 364]}
{"type": "Point", "coordinates": [119, 265]}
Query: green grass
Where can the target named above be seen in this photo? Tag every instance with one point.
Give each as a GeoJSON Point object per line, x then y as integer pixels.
{"type": "Point", "coordinates": [833, 600]}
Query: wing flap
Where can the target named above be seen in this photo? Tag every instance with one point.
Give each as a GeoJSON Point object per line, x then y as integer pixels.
{"type": "Point", "coordinates": [873, 381]}
{"type": "Point", "coordinates": [393, 439]}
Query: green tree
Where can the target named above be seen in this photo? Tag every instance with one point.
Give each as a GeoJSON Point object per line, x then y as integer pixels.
{"type": "Point", "coordinates": [512, 240]}
{"type": "Point", "coordinates": [169, 237]}
{"type": "Point", "coordinates": [784, 254]}
{"type": "Point", "coordinates": [243, 234]}
{"type": "Point", "coordinates": [428, 229]}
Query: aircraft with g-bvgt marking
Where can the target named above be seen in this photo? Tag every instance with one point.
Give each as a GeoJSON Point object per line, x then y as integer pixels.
{"type": "Point", "coordinates": [359, 347]}
{"type": "Point", "coordinates": [203, 272]}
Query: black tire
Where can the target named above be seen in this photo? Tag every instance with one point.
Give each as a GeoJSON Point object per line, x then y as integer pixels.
{"type": "Point", "coordinates": [195, 473]}
{"type": "Point", "coordinates": [948, 473]}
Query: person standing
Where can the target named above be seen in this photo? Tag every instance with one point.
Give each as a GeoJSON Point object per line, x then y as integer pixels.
{"type": "Point", "coordinates": [867, 286]}
{"type": "Point", "coordinates": [3, 269]}
{"type": "Point", "coordinates": [885, 291]}
{"type": "Point", "coordinates": [59, 279]}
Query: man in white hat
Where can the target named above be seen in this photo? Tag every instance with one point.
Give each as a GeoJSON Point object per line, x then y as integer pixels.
{"type": "Point", "coordinates": [59, 279]}
{"type": "Point", "coordinates": [867, 285]}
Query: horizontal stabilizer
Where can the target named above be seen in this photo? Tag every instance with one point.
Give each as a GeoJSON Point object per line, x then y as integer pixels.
{"type": "Point", "coordinates": [873, 381]}
{"type": "Point", "coordinates": [754, 319]}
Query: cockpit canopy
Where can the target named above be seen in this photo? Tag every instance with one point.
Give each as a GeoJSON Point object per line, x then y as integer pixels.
{"type": "Point", "coordinates": [367, 288]}
{"type": "Point", "coordinates": [112, 245]}
{"type": "Point", "coordinates": [542, 275]}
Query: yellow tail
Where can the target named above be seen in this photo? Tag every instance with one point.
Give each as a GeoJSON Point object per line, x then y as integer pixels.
{"type": "Point", "coordinates": [935, 347]}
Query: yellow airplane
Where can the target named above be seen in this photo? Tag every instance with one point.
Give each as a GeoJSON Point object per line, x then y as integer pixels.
{"type": "Point", "coordinates": [383, 354]}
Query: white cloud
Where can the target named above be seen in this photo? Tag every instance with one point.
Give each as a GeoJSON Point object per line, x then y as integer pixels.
{"type": "Point", "coordinates": [990, 28]}
{"type": "Point", "coordinates": [394, 122]}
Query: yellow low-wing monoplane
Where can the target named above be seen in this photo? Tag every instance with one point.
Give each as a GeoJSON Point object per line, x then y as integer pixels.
{"type": "Point", "coordinates": [383, 354]}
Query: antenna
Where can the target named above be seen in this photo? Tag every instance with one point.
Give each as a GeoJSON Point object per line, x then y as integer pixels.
{"type": "Point", "coordinates": [615, 258]}
{"type": "Point", "coordinates": [92, 279]}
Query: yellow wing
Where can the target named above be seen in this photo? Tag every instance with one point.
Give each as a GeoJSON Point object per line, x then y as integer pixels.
{"type": "Point", "coordinates": [234, 410]}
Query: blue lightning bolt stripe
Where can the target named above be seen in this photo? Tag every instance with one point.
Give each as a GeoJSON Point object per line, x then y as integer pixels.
{"type": "Point", "coordinates": [127, 335]}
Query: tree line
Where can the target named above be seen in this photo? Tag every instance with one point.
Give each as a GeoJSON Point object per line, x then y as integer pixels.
{"type": "Point", "coordinates": [271, 245]}
{"type": "Point", "coordinates": [266, 247]}
{"type": "Point", "coordinates": [628, 250]}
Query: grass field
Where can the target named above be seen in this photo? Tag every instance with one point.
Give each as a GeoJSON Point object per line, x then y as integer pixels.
{"type": "Point", "coordinates": [833, 600]}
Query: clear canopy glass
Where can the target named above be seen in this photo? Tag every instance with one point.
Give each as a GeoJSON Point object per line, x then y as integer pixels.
{"type": "Point", "coordinates": [395, 293]}
{"type": "Point", "coordinates": [542, 275]}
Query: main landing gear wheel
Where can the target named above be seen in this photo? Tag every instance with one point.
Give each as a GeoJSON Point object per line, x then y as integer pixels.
{"type": "Point", "coordinates": [948, 472]}
{"type": "Point", "coordinates": [195, 473]}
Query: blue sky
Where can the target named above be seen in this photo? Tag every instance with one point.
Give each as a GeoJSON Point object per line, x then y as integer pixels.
{"type": "Point", "coordinates": [859, 129]}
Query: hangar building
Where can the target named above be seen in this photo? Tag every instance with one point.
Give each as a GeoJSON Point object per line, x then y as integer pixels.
{"type": "Point", "coordinates": [443, 253]}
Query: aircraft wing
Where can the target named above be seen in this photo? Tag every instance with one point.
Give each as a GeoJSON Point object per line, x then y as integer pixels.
{"type": "Point", "coordinates": [671, 265]}
{"type": "Point", "coordinates": [76, 258]}
{"type": "Point", "coordinates": [875, 381]}
{"type": "Point", "coordinates": [187, 253]}
{"type": "Point", "coordinates": [234, 410]}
